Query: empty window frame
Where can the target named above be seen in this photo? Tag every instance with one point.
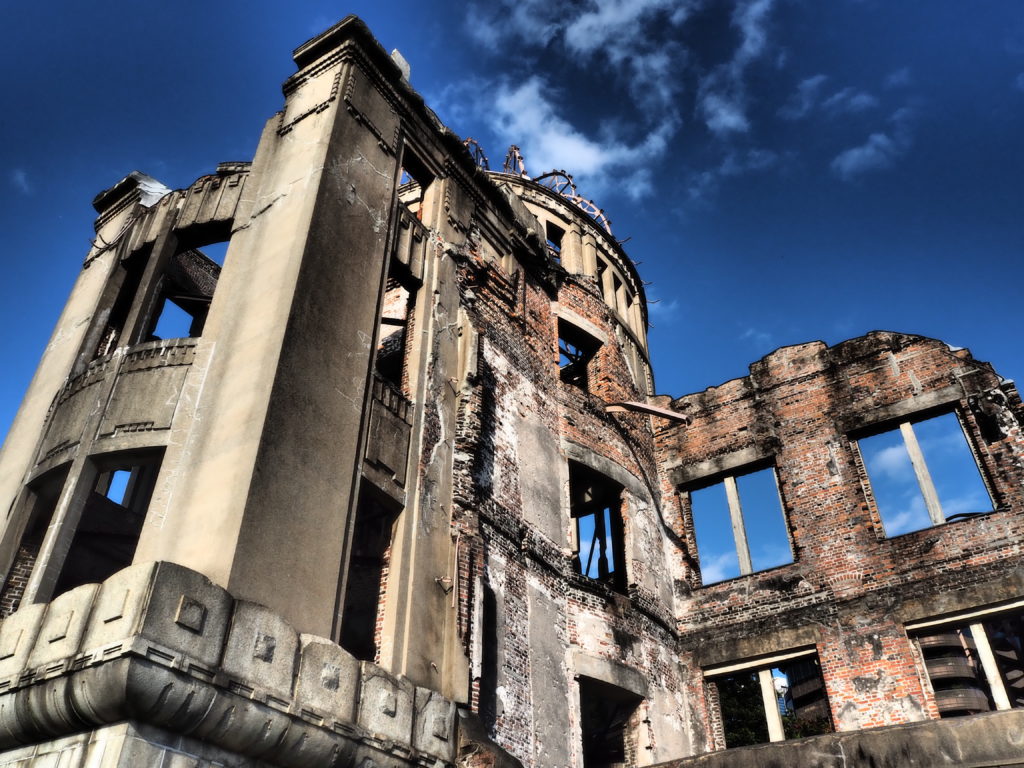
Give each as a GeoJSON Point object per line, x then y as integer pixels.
{"type": "Point", "coordinates": [393, 335]}
{"type": "Point", "coordinates": [595, 504]}
{"type": "Point", "coordinates": [576, 351]}
{"type": "Point", "coordinates": [108, 531]}
{"type": "Point", "coordinates": [367, 573]}
{"type": "Point", "coordinates": [186, 291]}
{"type": "Point", "coordinates": [739, 525]}
{"type": "Point", "coordinates": [129, 276]}
{"type": "Point", "coordinates": [414, 183]}
{"type": "Point", "coordinates": [554, 235]}
{"type": "Point", "coordinates": [771, 699]}
{"type": "Point", "coordinates": [976, 664]}
{"type": "Point", "coordinates": [922, 473]}
{"type": "Point", "coordinates": [41, 501]}
{"type": "Point", "coordinates": [607, 715]}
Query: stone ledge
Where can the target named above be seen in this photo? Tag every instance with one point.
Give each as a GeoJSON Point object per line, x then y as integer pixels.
{"type": "Point", "coordinates": [990, 740]}
{"type": "Point", "coordinates": [160, 644]}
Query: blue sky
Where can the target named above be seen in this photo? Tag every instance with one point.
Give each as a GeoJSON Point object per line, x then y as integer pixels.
{"type": "Point", "coordinates": [785, 170]}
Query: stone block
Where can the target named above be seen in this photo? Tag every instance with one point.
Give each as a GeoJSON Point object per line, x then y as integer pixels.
{"type": "Point", "coordinates": [167, 604]}
{"type": "Point", "coordinates": [328, 680]}
{"type": "Point", "coordinates": [385, 704]}
{"type": "Point", "coordinates": [17, 638]}
{"type": "Point", "coordinates": [261, 654]}
{"type": "Point", "coordinates": [63, 627]}
{"type": "Point", "coordinates": [434, 727]}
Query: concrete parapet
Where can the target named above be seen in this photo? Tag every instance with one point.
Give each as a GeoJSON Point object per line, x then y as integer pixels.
{"type": "Point", "coordinates": [160, 645]}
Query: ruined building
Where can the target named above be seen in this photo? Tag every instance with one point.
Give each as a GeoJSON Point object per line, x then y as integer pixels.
{"type": "Point", "coordinates": [386, 483]}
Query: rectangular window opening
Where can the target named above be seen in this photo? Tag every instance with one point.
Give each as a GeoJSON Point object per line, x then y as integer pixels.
{"type": "Point", "coordinates": [595, 503]}
{"type": "Point", "coordinates": [43, 495]}
{"type": "Point", "coordinates": [108, 531]}
{"type": "Point", "coordinates": [393, 335]}
{"type": "Point", "coordinates": [740, 526]}
{"type": "Point", "coordinates": [186, 291]}
{"type": "Point", "coordinates": [576, 350]}
{"type": "Point", "coordinates": [554, 235]}
{"type": "Point", "coordinates": [413, 183]}
{"type": "Point", "coordinates": [607, 716]}
{"type": "Point", "coordinates": [774, 702]}
{"type": "Point", "coordinates": [367, 573]}
{"type": "Point", "coordinates": [976, 666]}
{"type": "Point", "coordinates": [923, 473]}
{"type": "Point", "coordinates": [131, 277]}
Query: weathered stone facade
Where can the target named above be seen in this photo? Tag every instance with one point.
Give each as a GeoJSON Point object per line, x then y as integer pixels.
{"type": "Point", "coordinates": [400, 492]}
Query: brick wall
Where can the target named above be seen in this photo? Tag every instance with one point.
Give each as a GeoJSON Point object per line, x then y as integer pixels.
{"type": "Point", "coordinates": [517, 554]}
{"type": "Point", "coordinates": [850, 586]}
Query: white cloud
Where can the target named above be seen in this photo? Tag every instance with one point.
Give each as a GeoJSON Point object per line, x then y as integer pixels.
{"type": "Point", "coordinates": [19, 180]}
{"type": "Point", "coordinates": [659, 309]}
{"type": "Point", "coordinates": [879, 152]}
{"type": "Point", "coordinates": [752, 18]}
{"type": "Point", "coordinates": [617, 23]}
{"type": "Point", "coordinates": [849, 101]}
{"type": "Point", "coordinates": [757, 336]}
{"type": "Point", "coordinates": [533, 21]}
{"type": "Point", "coordinates": [722, 101]}
{"type": "Point", "coordinates": [718, 567]}
{"type": "Point", "coordinates": [804, 99]}
{"type": "Point", "coordinates": [525, 114]}
{"type": "Point", "coordinates": [912, 517]}
{"type": "Point", "coordinates": [616, 32]}
{"type": "Point", "coordinates": [892, 462]}
{"type": "Point", "coordinates": [723, 106]}
{"type": "Point", "coordinates": [973, 502]}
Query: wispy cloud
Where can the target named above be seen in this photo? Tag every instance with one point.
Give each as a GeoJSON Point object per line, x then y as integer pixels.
{"type": "Point", "coordinates": [899, 78]}
{"type": "Point", "coordinates": [525, 114]}
{"type": "Point", "coordinates": [804, 99]}
{"type": "Point", "coordinates": [722, 97]}
{"type": "Point", "coordinates": [660, 310]}
{"type": "Point", "coordinates": [703, 186]}
{"type": "Point", "coordinates": [759, 337]}
{"type": "Point", "coordinates": [616, 34]}
{"type": "Point", "coordinates": [912, 517]}
{"type": "Point", "coordinates": [19, 180]}
{"type": "Point", "coordinates": [849, 101]}
{"type": "Point", "coordinates": [718, 567]}
{"type": "Point", "coordinates": [1019, 82]}
{"type": "Point", "coordinates": [891, 462]}
{"type": "Point", "coordinates": [880, 151]}
{"type": "Point", "coordinates": [807, 98]}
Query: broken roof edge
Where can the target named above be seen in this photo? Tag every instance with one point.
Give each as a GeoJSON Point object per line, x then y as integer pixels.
{"type": "Point", "coordinates": [842, 349]}
{"type": "Point", "coordinates": [148, 189]}
{"type": "Point", "coordinates": [354, 29]}
{"type": "Point", "coordinates": [613, 244]}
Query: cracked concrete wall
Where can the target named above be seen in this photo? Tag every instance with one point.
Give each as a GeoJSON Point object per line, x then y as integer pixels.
{"type": "Point", "coordinates": [249, 499]}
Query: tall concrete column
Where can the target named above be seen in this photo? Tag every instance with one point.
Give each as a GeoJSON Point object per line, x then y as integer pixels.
{"type": "Point", "coordinates": [589, 254]}
{"type": "Point", "coordinates": [572, 250]}
{"type": "Point", "coordinates": [420, 637]}
{"type": "Point", "coordinates": [262, 484]}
